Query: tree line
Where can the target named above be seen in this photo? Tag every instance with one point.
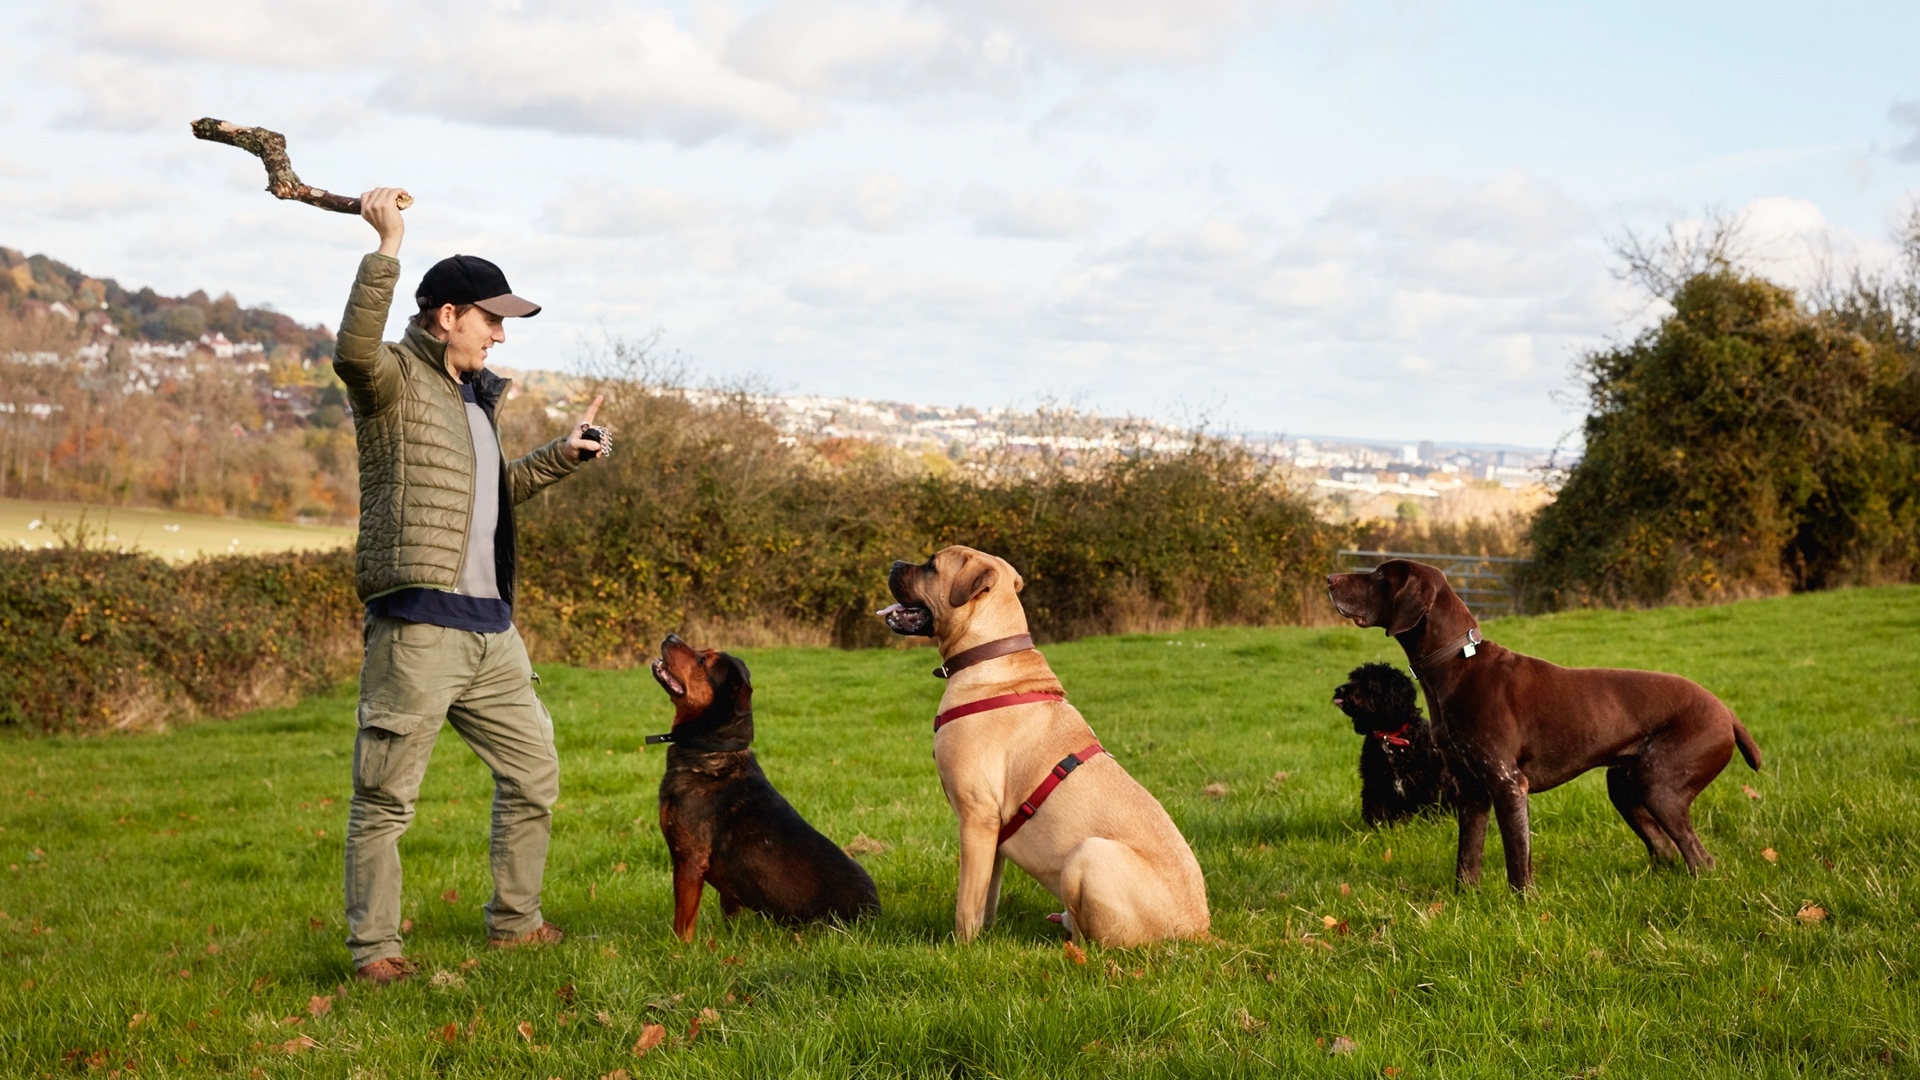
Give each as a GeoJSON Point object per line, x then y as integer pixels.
{"type": "Point", "coordinates": [1755, 440]}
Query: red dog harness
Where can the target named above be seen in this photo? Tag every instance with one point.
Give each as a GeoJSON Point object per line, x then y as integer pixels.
{"type": "Point", "coordinates": [941, 720]}
{"type": "Point", "coordinates": [1054, 776]}
{"type": "Point", "coordinates": [1059, 773]}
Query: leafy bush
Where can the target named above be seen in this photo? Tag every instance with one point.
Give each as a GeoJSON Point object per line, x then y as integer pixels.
{"type": "Point", "coordinates": [94, 639]}
{"type": "Point", "coordinates": [1747, 444]}
{"type": "Point", "coordinates": [707, 520]}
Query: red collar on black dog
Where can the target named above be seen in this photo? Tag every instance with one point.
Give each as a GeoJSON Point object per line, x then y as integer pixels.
{"type": "Point", "coordinates": [1396, 737]}
{"type": "Point", "coordinates": [979, 654]}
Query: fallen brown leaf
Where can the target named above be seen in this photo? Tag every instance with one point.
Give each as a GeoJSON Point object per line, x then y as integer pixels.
{"type": "Point", "coordinates": [1749, 791]}
{"type": "Point", "coordinates": [650, 1037]}
{"type": "Point", "coordinates": [617, 1074]}
{"type": "Point", "coordinates": [1343, 1045]}
{"type": "Point", "coordinates": [1249, 1023]}
{"type": "Point", "coordinates": [319, 1005]}
{"type": "Point", "coordinates": [1390, 1072]}
{"type": "Point", "coordinates": [1811, 913]}
{"type": "Point", "coordinates": [1546, 916]}
{"type": "Point", "coordinates": [1329, 921]}
{"type": "Point", "coordinates": [406, 926]}
{"type": "Point", "coordinates": [448, 1034]}
{"type": "Point", "coordinates": [565, 993]}
{"type": "Point", "coordinates": [138, 1019]}
{"type": "Point", "coordinates": [469, 963]}
{"type": "Point", "coordinates": [315, 924]}
{"type": "Point", "coordinates": [451, 896]}
{"type": "Point", "coordinates": [1436, 907]}
{"type": "Point", "coordinates": [1387, 855]}
{"type": "Point", "coordinates": [603, 1018]}
{"type": "Point", "coordinates": [732, 961]}
{"type": "Point", "coordinates": [620, 868]}
{"type": "Point", "coordinates": [213, 948]}
{"type": "Point", "coordinates": [525, 1028]}
{"type": "Point", "coordinates": [1075, 953]}
{"type": "Point", "coordinates": [298, 1044]}
{"type": "Point", "coordinates": [1215, 790]}
{"type": "Point", "coordinates": [1770, 855]}
{"type": "Point", "coordinates": [1346, 889]}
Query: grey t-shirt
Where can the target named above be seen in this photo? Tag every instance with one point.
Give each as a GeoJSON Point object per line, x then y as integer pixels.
{"type": "Point", "coordinates": [478, 574]}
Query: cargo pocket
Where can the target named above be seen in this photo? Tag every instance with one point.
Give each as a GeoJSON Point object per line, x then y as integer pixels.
{"type": "Point", "coordinates": [381, 747]}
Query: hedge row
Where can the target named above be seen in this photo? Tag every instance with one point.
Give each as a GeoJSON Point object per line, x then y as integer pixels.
{"type": "Point", "coordinates": [94, 639]}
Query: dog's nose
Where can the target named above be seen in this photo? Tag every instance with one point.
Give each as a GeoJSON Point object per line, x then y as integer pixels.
{"type": "Point", "coordinates": [674, 639]}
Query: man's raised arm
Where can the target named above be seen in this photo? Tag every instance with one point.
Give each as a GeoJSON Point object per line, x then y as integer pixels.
{"type": "Point", "coordinates": [372, 378]}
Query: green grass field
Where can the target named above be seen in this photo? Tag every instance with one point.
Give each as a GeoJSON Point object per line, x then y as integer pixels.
{"type": "Point", "coordinates": [173, 902]}
{"type": "Point", "coordinates": [173, 536]}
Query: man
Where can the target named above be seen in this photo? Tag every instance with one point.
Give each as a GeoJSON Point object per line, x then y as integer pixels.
{"type": "Point", "coordinates": [435, 565]}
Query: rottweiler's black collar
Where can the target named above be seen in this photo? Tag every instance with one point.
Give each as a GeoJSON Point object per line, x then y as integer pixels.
{"type": "Point", "coordinates": [694, 741]}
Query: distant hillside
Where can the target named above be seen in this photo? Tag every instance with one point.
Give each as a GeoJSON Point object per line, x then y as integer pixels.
{"type": "Point", "coordinates": [38, 283]}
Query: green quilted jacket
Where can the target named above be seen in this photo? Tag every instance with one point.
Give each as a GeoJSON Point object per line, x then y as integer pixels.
{"type": "Point", "coordinates": [416, 450]}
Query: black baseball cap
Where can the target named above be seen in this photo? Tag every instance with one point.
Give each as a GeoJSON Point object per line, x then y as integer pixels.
{"type": "Point", "coordinates": [470, 279]}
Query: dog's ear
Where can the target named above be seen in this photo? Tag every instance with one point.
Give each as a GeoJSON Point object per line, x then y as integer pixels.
{"type": "Point", "coordinates": [1409, 601]}
{"type": "Point", "coordinates": [1019, 582]}
{"type": "Point", "coordinates": [735, 684]}
{"type": "Point", "coordinates": [976, 577]}
{"type": "Point", "coordinates": [738, 677]}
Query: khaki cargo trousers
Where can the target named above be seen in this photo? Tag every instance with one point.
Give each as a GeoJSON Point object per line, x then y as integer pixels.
{"type": "Point", "coordinates": [415, 676]}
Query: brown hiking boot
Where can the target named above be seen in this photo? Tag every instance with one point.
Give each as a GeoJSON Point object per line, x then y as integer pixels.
{"type": "Point", "coordinates": [384, 972]}
{"type": "Point", "coordinates": [547, 934]}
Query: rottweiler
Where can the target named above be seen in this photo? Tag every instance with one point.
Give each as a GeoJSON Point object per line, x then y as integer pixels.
{"type": "Point", "coordinates": [725, 824]}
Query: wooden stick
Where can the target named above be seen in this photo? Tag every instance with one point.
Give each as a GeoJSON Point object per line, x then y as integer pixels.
{"type": "Point", "coordinates": [282, 183]}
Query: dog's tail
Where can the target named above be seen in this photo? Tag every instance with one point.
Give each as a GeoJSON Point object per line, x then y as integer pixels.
{"type": "Point", "coordinates": [1748, 748]}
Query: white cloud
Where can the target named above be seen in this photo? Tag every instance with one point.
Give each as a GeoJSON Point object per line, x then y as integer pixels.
{"type": "Point", "coordinates": [92, 200]}
{"type": "Point", "coordinates": [871, 201]}
{"type": "Point", "coordinates": [852, 49]}
{"type": "Point", "coordinates": [1121, 32]}
{"type": "Point", "coordinates": [126, 96]}
{"type": "Point", "coordinates": [611, 210]}
{"type": "Point", "coordinates": [1907, 114]}
{"type": "Point", "coordinates": [633, 70]}
{"type": "Point", "coordinates": [891, 293]}
{"type": "Point", "coordinates": [616, 71]}
{"type": "Point", "coordinates": [1053, 214]}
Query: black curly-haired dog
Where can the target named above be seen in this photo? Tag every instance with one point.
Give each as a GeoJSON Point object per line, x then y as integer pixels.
{"type": "Point", "coordinates": [1401, 770]}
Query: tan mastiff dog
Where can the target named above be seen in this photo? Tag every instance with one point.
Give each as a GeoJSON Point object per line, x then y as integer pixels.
{"type": "Point", "coordinates": [1026, 776]}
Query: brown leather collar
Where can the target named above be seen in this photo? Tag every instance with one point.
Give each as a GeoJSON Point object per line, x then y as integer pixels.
{"type": "Point", "coordinates": [991, 650]}
{"type": "Point", "coordinates": [1465, 645]}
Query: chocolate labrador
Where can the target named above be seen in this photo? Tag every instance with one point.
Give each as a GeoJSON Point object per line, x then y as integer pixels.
{"type": "Point", "coordinates": [725, 824]}
{"type": "Point", "coordinates": [1025, 775]}
{"type": "Point", "coordinates": [1511, 725]}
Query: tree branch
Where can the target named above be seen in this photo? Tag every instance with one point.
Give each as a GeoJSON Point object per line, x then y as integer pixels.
{"type": "Point", "coordinates": [271, 148]}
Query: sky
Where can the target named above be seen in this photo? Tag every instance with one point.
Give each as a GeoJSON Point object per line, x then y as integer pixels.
{"type": "Point", "coordinates": [1392, 221]}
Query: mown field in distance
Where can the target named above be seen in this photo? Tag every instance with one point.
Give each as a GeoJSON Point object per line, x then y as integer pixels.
{"type": "Point", "coordinates": [170, 535]}
{"type": "Point", "coordinates": [173, 902]}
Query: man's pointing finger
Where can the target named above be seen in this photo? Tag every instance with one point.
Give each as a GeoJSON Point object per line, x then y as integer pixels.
{"type": "Point", "coordinates": [594, 408]}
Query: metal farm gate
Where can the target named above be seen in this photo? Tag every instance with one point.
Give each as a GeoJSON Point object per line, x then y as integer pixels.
{"type": "Point", "coordinates": [1485, 582]}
